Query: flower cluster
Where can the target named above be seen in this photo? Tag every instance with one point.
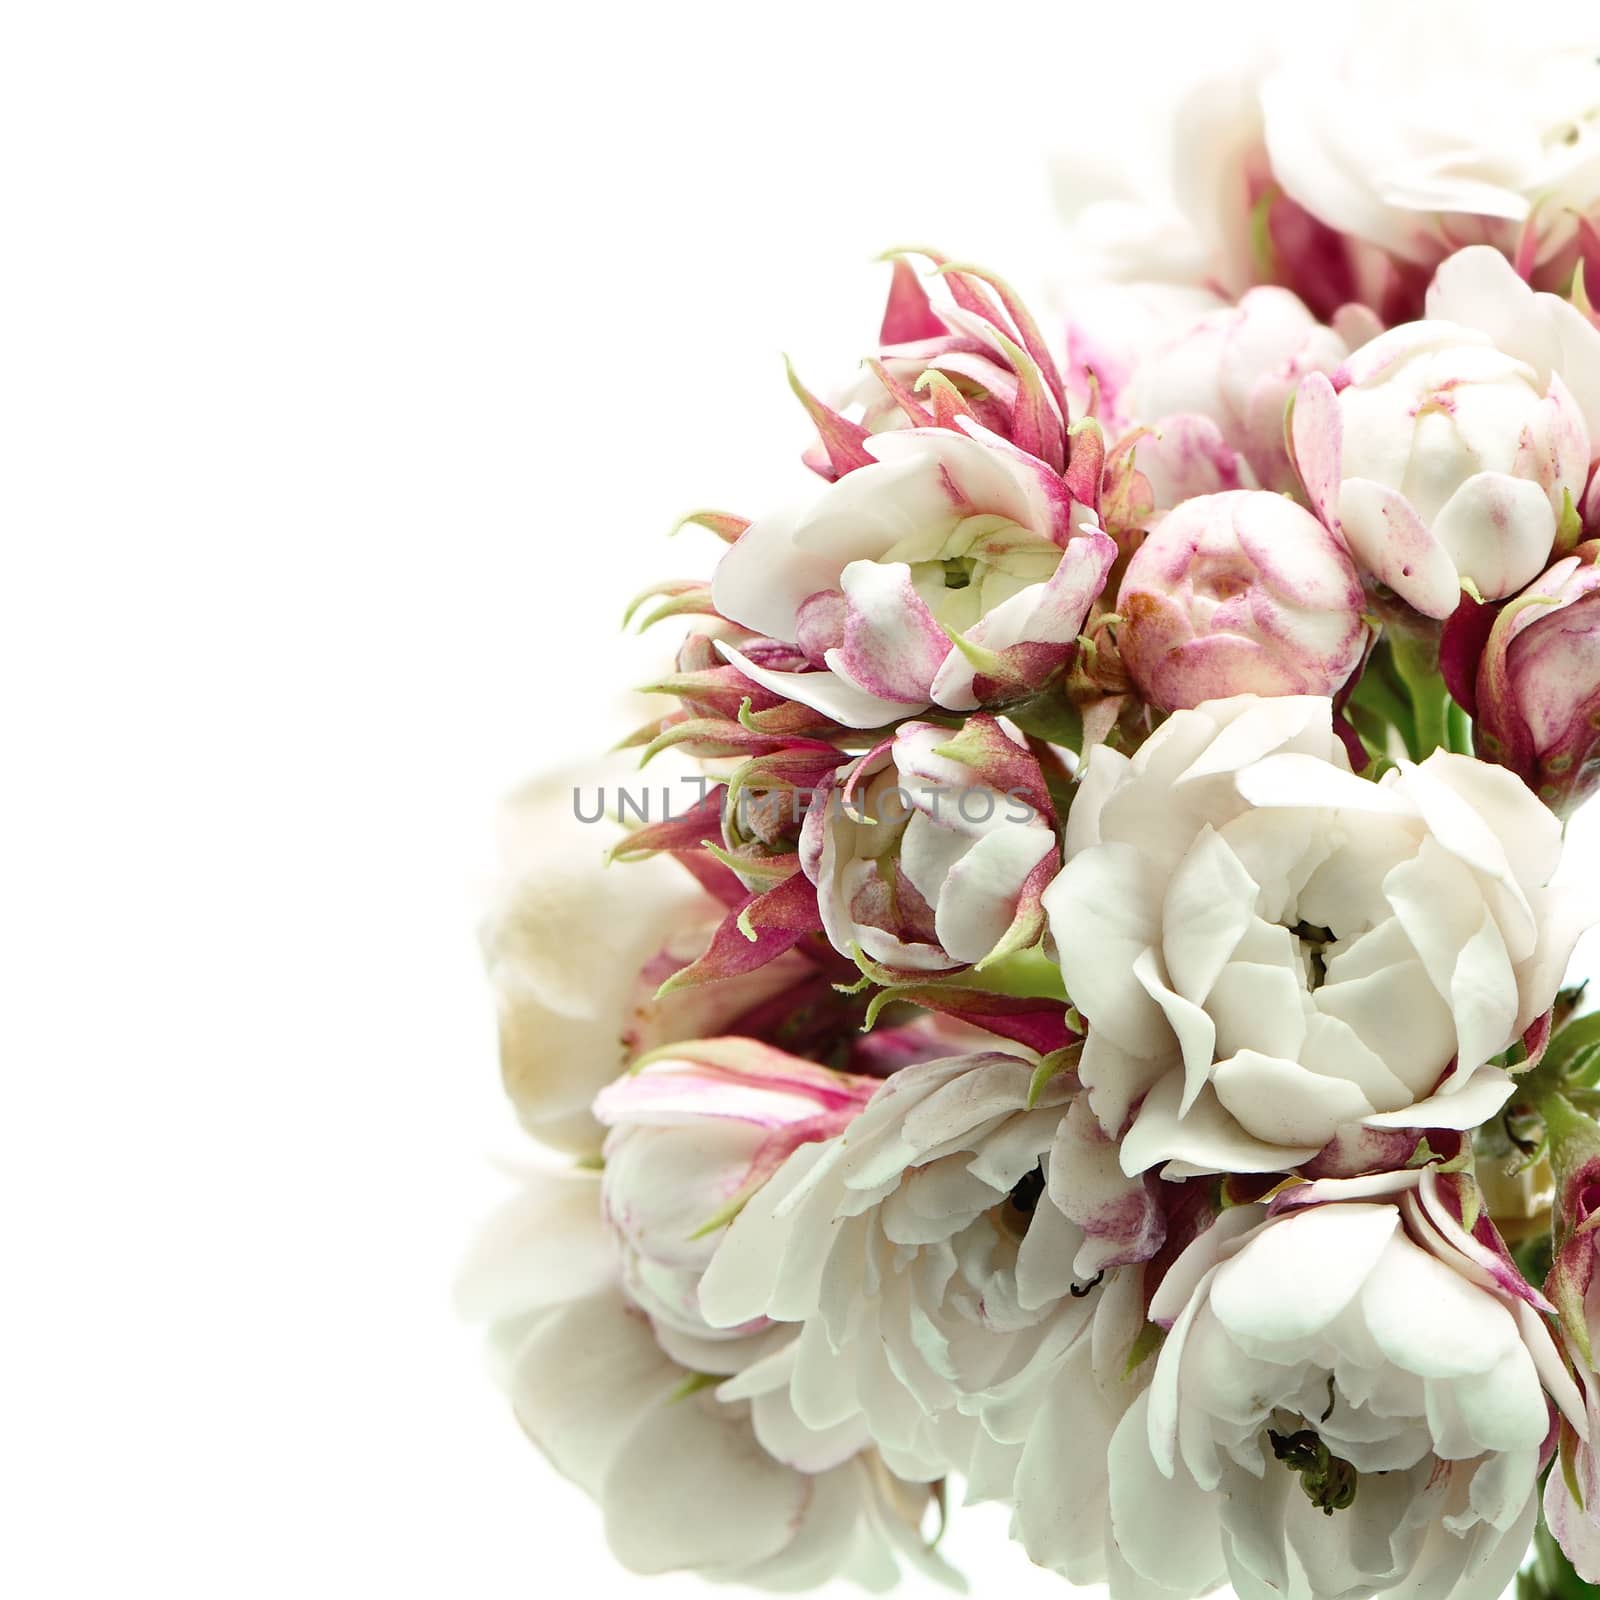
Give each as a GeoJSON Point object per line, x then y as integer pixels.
{"type": "Point", "coordinates": [1094, 1038]}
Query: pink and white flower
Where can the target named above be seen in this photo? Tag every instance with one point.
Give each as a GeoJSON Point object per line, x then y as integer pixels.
{"type": "Point", "coordinates": [1268, 949]}
{"type": "Point", "coordinates": [1350, 1400]}
{"type": "Point", "coordinates": [1449, 453]}
{"type": "Point", "coordinates": [931, 851]}
{"type": "Point", "coordinates": [1237, 368]}
{"type": "Point", "coordinates": [1239, 593]}
{"type": "Point", "coordinates": [696, 1129]}
{"type": "Point", "coordinates": [954, 569]}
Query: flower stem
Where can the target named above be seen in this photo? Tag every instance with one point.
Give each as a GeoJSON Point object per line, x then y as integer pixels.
{"type": "Point", "coordinates": [1416, 661]}
{"type": "Point", "coordinates": [1548, 1575]}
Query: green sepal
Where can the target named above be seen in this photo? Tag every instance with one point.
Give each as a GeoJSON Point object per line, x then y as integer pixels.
{"type": "Point", "coordinates": [693, 1384]}
{"type": "Point", "coordinates": [1052, 1066]}
{"type": "Point", "coordinates": [1151, 1337]}
{"type": "Point", "coordinates": [1569, 530]}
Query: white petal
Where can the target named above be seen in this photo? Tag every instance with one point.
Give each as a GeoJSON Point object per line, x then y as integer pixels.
{"type": "Point", "coordinates": [693, 1489]}
{"type": "Point", "coordinates": [1388, 538]}
{"type": "Point", "coordinates": [1209, 904]}
{"type": "Point", "coordinates": [582, 1379]}
{"type": "Point", "coordinates": [1429, 1320]}
{"type": "Point", "coordinates": [1297, 1274]}
{"type": "Point", "coordinates": [1116, 1078]}
{"type": "Point", "coordinates": [1193, 1028]}
{"type": "Point", "coordinates": [979, 900]}
{"type": "Point", "coordinates": [1102, 915]}
{"type": "Point", "coordinates": [1483, 991]}
{"type": "Point", "coordinates": [1208, 1137]}
{"type": "Point", "coordinates": [1498, 530]}
{"type": "Point", "coordinates": [545, 1245]}
{"type": "Point", "coordinates": [1166, 1529]}
{"type": "Point", "coordinates": [1102, 772]}
{"type": "Point", "coordinates": [749, 1269]}
{"type": "Point", "coordinates": [1292, 779]}
{"type": "Point", "coordinates": [1397, 1015]}
{"type": "Point", "coordinates": [1281, 1103]}
{"type": "Point", "coordinates": [826, 692]}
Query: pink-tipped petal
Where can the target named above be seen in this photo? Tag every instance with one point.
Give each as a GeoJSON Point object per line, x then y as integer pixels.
{"type": "Point", "coordinates": [1317, 434]}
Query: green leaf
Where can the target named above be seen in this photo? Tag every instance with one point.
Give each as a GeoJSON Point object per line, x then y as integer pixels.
{"type": "Point", "coordinates": [1049, 716]}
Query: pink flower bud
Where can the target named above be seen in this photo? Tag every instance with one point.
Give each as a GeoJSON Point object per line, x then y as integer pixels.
{"type": "Point", "coordinates": [695, 1131]}
{"type": "Point", "coordinates": [1539, 683]}
{"type": "Point", "coordinates": [1239, 367]}
{"type": "Point", "coordinates": [1239, 593]}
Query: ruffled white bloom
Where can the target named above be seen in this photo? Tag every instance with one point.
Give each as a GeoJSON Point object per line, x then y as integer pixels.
{"type": "Point", "coordinates": [1448, 451]}
{"type": "Point", "coordinates": [575, 952]}
{"type": "Point", "coordinates": [943, 1258]}
{"type": "Point", "coordinates": [1237, 368]}
{"type": "Point", "coordinates": [1424, 126]}
{"type": "Point", "coordinates": [678, 1472]}
{"type": "Point", "coordinates": [945, 532]}
{"type": "Point", "coordinates": [1496, 132]}
{"type": "Point", "coordinates": [1268, 949]}
{"type": "Point", "coordinates": [1350, 1402]}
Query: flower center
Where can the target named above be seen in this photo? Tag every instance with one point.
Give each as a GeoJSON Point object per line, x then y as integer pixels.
{"type": "Point", "coordinates": [1313, 942]}
{"type": "Point", "coordinates": [1329, 1481]}
{"type": "Point", "coordinates": [964, 568]}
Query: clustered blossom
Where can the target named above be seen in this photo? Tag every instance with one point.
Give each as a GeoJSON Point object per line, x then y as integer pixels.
{"type": "Point", "coordinates": [1095, 1040]}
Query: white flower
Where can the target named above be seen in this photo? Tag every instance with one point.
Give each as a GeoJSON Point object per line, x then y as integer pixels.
{"type": "Point", "coordinates": [678, 1472]}
{"type": "Point", "coordinates": [1349, 1403]}
{"type": "Point", "coordinates": [944, 533]}
{"type": "Point", "coordinates": [1268, 949]}
{"type": "Point", "coordinates": [1448, 451]}
{"type": "Point", "coordinates": [1423, 126]}
{"type": "Point", "coordinates": [575, 951]}
{"type": "Point", "coordinates": [943, 1256]}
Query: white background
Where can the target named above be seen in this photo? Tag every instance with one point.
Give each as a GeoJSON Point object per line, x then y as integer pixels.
{"type": "Point", "coordinates": [355, 360]}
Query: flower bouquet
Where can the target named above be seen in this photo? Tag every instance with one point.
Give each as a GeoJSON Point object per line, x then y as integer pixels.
{"type": "Point", "coordinates": [1081, 1025]}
